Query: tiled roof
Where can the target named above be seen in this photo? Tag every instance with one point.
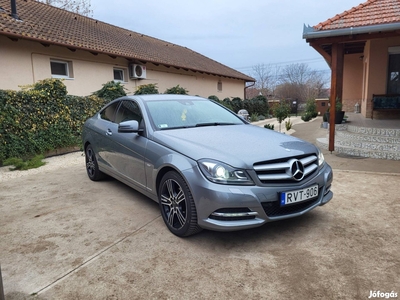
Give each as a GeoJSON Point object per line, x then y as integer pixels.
{"type": "Point", "coordinates": [372, 12]}
{"type": "Point", "coordinates": [51, 25]}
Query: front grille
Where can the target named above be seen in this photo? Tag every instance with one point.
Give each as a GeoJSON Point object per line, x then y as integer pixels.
{"type": "Point", "coordinates": [233, 214]}
{"type": "Point", "coordinates": [274, 209]}
{"type": "Point", "coordinates": [283, 170]}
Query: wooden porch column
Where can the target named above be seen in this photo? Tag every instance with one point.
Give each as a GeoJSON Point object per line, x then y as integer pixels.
{"type": "Point", "coordinates": [336, 88]}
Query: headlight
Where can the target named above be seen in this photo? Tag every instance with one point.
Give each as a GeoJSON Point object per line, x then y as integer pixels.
{"type": "Point", "coordinates": [219, 172]}
{"type": "Point", "coordinates": [321, 158]}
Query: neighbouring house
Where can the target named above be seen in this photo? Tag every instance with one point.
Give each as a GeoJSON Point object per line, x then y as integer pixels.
{"type": "Point", "coordinates": [362, 47]}
{"type": "Point", "coordinates": [39, 41]}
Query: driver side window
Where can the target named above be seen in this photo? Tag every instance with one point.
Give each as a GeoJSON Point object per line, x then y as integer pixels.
{"type": "Point", "coordinates": [128, 111]}
{"type": "Point", "coordinates": [108, 113]}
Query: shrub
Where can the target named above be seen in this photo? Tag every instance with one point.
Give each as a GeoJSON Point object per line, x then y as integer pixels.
{"type": "Point", "coordinates": [269, 126]}
{"type": "Point", "coordinates": [338, 105]}
{"type": "Point", "coordinates": [254, 117]}
{"type": "Point", "coordinates": [146, 89]}
{"type": "Point", "coordinates": [177, 90]}
{"type": "Point", "coordinates": [110, 91]}
{"type": "Point", "coordinates": [238, 104]}
{"type": "Point", "coordinates": [311, 108]}
{"type": "Point", "coordinates": [42, 118]}
{"type": "Point", "coordinates": [288, 125]}
{"type": "Point", "coordinates": [306, 116]}
{"type": "Point", "coordinates": [213, 97]}
{"type": "Point", "coordinates": [227, 103]}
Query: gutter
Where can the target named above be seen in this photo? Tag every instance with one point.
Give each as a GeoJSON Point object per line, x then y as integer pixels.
{"type": "Point", "coordinates": [246, 87]}
{"type": "Point", "coordinates": [312, 33]}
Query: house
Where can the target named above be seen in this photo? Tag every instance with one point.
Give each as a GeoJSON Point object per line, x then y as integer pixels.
{"type": "Point", "coordinates": [362, 47]}
{"type": "Point", "coordinates": [39, 41]}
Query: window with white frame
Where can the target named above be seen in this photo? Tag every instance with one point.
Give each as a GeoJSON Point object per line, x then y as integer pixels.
{"type": "Point", "coordinates": [119, 74]}
{"type": "Point", "coordinates": [61, 68]}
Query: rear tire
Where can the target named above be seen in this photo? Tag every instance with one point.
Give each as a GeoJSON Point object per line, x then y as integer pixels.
{"type": "Point", "coordinates": [177, 205]}
{"type": "Point", "coordinates": [92, 167]}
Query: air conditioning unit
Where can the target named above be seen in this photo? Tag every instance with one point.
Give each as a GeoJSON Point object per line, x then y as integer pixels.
{"type": "Point", "coordinates": [137, 71]}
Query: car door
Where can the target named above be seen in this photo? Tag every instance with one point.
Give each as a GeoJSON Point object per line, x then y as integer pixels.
{"type": "Point", "coordinates": [105, 127]}
{"type": "Point", "coordinates": [128, 149]}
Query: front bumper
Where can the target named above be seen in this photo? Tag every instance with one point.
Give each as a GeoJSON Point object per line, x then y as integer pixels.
{"type": "Point", "coordinates": [227, 207]}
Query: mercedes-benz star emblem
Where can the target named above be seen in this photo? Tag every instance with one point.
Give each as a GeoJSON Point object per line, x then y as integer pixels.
{"type": "Point", "coordinates": [297, 170]}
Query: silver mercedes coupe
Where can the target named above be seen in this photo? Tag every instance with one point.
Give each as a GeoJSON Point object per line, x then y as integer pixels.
{"type": "Point", "coordinates": [207, 167]}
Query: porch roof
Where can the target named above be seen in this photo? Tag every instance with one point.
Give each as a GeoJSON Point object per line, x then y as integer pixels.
{"type": "Point", "coordinates": [50, 25]}
{"type": "Point", "coordinates": [369, 20]}
{"type": "Point", "coordinates": [372, 12]}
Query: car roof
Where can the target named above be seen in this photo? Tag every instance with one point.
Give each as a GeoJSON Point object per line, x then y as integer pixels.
{"type": "Point", "coordinates": [158, 97]}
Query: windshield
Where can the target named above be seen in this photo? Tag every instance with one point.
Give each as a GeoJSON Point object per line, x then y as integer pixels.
{"type": "Point", "coordinates": [173, 114]}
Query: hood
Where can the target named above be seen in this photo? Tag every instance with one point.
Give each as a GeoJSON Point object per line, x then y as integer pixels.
{"type": "Point", "coordinates": [237, 145]}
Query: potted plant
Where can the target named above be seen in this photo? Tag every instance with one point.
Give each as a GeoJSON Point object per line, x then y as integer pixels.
{"type": "Point", "coordinates": [325, 119]}
{"type": "Point", "coordinates": [339, 113]}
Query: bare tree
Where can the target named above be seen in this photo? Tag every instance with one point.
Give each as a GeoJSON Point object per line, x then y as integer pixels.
{"type": "Point", "coordinates": [300, 82]}
{"type": "Point", "coordinates": [82, 7]}
{"type": "Point", "coordinates": [266, 78]}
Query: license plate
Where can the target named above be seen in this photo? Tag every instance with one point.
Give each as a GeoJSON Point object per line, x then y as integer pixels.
{"type": "Point", "coordinates": [296, 196]}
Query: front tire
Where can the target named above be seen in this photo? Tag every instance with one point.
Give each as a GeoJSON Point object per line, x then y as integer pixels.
{"type": "Point", "coordinates": [92, 167]}
{"type": "Point", "coordinates": [177, 205]}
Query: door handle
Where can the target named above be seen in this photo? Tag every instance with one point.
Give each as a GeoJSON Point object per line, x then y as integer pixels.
{"type": "Point", "coordinates": [109, 132]}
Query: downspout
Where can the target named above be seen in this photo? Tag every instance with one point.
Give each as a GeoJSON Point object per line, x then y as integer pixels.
{"type": "Point", "coordinates": [246, 87]}
{"type": "Point", "coordinates": [14, 9]}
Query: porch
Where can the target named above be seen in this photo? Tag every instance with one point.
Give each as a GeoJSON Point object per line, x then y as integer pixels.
{"type": "Point", "coordinates": [364, 137]}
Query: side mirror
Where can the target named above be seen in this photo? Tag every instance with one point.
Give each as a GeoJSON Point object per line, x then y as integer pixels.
{"type": "Point", "coordinates": [129, 127]}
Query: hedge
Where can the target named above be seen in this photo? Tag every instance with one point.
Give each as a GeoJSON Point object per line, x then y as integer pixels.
{"type": "Point", "coordinates": [42, 118]}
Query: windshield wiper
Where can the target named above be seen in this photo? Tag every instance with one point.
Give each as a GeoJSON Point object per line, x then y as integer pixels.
{"type": "Point", "coordinates": [213, 124]}
{"type": "Point", "coordinates": [176, 127]}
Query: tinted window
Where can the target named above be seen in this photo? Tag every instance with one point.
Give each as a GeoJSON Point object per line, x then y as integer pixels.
{"type": "Point", "coordinates": [109, 112]}
{"type": "Point", "coordinates": [128, 111]}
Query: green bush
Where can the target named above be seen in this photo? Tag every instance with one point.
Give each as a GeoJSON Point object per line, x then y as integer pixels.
{"type": "Point", "coordinates": [269, 126]}
{"type": "Point", "coordinates": [147, 89]}
{"type": "Point", "coordinates": [110, 91]}
{"type": "Point", "coordinates": [288, 125]}
{"type": "Point", "coordinates": [177, 90]}
{"type": "Point", "coordinates": [228, 104]}
{"type": "Point", "coordinates": [254, 117]}
{"type": "Point", "coordinates": [311, 108]}
{"type": "Point", "coordinates": [307, 116]}
{"type": "Point", "coordinates": [42, 118]}
{"type": "Point", "coordinates": [213, 97]}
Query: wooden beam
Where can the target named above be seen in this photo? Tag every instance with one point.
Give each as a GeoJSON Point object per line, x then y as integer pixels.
{"type": "Point", "coordinates": [336, 88]}
{"type": "Point", "coordinates": [321, 51]}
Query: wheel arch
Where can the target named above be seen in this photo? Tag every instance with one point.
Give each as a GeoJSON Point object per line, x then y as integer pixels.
{"type": "Point", "coordinates": [164, 170]}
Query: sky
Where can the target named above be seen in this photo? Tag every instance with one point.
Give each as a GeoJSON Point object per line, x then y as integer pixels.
{"type": "Point", "coordinates": [239, 34]}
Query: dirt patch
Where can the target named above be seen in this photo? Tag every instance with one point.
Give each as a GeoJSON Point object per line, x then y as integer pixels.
{"type": "Point", "coordinates": [65, 237]}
